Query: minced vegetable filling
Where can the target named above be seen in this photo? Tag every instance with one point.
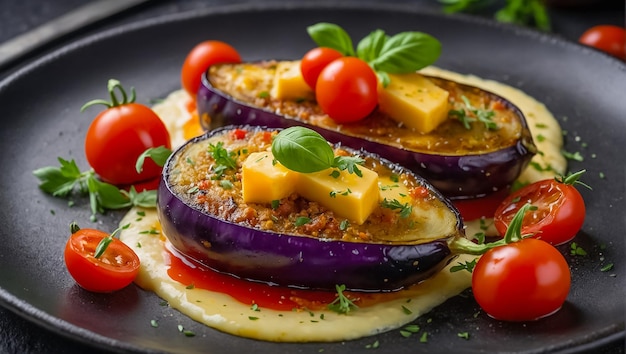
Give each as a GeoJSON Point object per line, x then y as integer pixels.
{"type": "Point", "coordinates": [207, 176]}
{"type": "Point", "coordinates": [251, 82]}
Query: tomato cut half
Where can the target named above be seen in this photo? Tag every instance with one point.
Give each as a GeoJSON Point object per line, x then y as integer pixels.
{"type": "Point", "coordinates": [115, 269]}
{"type": "Point", "coordinates": [559, 213]}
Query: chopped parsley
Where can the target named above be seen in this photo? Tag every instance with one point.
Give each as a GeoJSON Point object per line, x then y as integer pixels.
{"type": "Point", "coordinates": [470, 114]}
{"type": "Point", "coordinates": [405, 209]}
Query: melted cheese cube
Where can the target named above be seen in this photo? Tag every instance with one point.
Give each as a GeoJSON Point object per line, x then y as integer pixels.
{"type": "Point", "coordinates": [264, 180]}
{"type": "Point", "coordinates": [288, 82]}
{"type": "Point", "coordinates": [348, 195]}
{"type": "Point", "coordinates": [415, 101]}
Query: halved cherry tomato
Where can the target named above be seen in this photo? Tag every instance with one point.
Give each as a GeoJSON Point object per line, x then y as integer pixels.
{"type": "Point", "coordinates": [346, 89]}
{"type": "Point", "coordinates": [202, 56]}
{"type": "Point", "coordinates": [559, 215]}
{"type": "Point", "coordinates": [314, 61]}
{"type": "Point", "coordinates": [607, 38]}
{"type": "Point", "coordinates": [115, 269]}
{"type": "Point", "coordinates": [521, 281]}
{"type": "Point", "coordinates": [119, 135]}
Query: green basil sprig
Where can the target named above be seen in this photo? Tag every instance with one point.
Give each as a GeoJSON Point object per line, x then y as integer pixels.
{"type": "Point", "coordinates": [304, 150]}
{"type": "Point", "coordinates": [401, 53]}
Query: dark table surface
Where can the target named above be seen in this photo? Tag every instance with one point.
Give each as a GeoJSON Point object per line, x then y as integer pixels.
{"type": "Point", "coordinates": [18, 335]}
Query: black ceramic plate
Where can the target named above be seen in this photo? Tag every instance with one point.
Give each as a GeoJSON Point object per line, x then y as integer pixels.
{"type": "Point", "coordinates": [41, 121]}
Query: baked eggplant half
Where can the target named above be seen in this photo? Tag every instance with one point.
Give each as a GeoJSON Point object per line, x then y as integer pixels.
{"type": "Point", "coordinates": [226, 202]}
{"type": "Point", "coordinates": [477, 144]}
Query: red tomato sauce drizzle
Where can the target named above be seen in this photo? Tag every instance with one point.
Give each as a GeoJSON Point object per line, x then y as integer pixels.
{"type": "Point", "coordinates": [245, 291]}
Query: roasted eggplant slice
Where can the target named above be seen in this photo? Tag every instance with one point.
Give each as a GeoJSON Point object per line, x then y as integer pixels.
{"type": "Point", "coordinates": [296, 241]}
{"type": "Point", "coordinates": [481, 147]}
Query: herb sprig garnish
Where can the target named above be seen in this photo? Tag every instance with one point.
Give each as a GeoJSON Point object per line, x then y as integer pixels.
{"type": "Point", "coordinates": [306, 151]}
{"type": "Point", "coordinates": [342, 304]}
{"type": "Point", "coordinates": [67, 179]}
{"type": "Point", "coordinates": [402, 53]}
{"type": "Point", "coordinates": [469, 114]}
{"type": "Point", "coordinates": [405, 209]}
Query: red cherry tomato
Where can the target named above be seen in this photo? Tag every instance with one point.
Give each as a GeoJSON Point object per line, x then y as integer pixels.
{"type": "Point", "coordinates": [559, 215]}
{"type": "Point", "coordinates": [314, 61]}
{"type": "Point", "coordinates": [119, 135]}
{"type": "Point", "coordinates": [346, 90]}
{"type": "Point", "coordinates": [521, 281]}
{"type": "Point", "coordinates": [199, 59]}
{"type": "Point", "coordinates": [115, 269]}
{"type": "Point", "coordinates": [607, 38]}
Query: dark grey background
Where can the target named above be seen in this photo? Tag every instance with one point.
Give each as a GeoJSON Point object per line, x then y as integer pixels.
{"type": "Point", "coordinates": [18, 16]}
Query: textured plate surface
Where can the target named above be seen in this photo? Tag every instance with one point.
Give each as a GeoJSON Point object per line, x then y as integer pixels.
{"type": "Point", "coordinates": [41, 121]}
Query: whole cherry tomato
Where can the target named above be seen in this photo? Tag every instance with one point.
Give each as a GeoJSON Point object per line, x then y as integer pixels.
{"type": "Point", "coordinates": [607, 38]}
{"type": "Point", "coordinates": [346, 89]}
{"type": "Point", "coordinates": [115, 269]}
{"type": "Point", "coordinates": [521, 281]}
{"type": "Point", "coordinates": [199, 59]}
{"type": "Point", "coordinates": [559, 213]}
{"type": "Point", "coordinates": [314, 61]}
{"type": "Point", "coordinates": [119, 135]}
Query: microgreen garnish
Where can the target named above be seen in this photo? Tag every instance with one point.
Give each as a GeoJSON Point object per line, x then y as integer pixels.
{"type": "Point", "coordinates": [104, 243]}
{"type": "Point", "coordinates": [67, 179]}
{"type": "Point", "coordinates": [468, 265]}
{"type": "Point", "coordinates": [221, 156]}
{"type": "Point", "coordinates": [154, 323]}
{"type": "Point", "coordinates": [374, 345]}
{"type": "Point", "coordinates": [575, 156]}
{"type": "Point", "coordinates": [302, 220]}
{"type": "Point", "coordinates": [405, 209]}
{"type": "Point", "coordinates": [304, 150]}
{"type": "Point", "coordinates": [158, 154]}
{"type": "Point", "coordinates": [469, 114]}
{"type": "Point", "coordinates": [401, 53]}
{"type": "Point", "coordinates": [342, 304]}
{"type": "Point", "coordinates": [409, 330]}
{"type": "Point", "coordinates": [464, 335]}
{"type": "Point", "coordinates": [607, 267]}
{"type": "Point", "coordinates": [576, 250]}
{"type": "Point", "coordinates": [186, 332]}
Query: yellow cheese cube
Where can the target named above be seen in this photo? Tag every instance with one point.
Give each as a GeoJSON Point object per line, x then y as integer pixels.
{"type": "Point", "coordinates": [288, 82]}
{"type": "Point", "coordinates": [348, 195]}
{"type": "Point", "coordinates": [414, 101]}
{"type": "Point", "coordinates": [264, 180]}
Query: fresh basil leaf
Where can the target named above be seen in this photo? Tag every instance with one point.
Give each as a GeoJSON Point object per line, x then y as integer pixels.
{"type": "Point", "coordinates": [407, 52]}
{"type": "Point", "coordinates": [370, 46]}
{"type": "Point", "coordinates": [158, 154]}
{"type": "Point", "coordinates": [332, 36]}
{"type": "Point", "coordinates": [302, 150]}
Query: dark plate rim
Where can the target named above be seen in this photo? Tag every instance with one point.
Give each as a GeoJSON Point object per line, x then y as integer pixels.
{"type": "Point", "coordinates": [68, 330]}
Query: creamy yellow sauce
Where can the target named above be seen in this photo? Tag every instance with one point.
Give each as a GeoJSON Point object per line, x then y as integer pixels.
{"type": "Point", "coordinates": [222, 312]}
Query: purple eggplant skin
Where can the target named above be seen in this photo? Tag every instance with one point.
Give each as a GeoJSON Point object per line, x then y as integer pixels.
{"type": "Point", "coordinates": [295, 260]}
{"type": "Point", "coordinates": [456, 176]}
